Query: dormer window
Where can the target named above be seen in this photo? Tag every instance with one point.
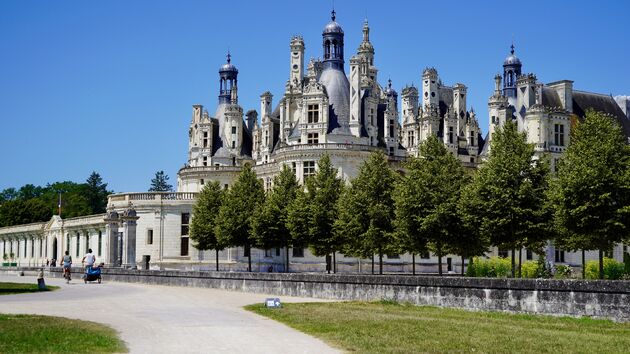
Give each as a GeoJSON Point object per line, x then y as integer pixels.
{"type": "Point", "coordinates": [313, 113]}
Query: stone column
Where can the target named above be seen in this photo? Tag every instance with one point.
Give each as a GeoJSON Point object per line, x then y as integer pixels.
{"type": "Point", "coordinates": [129, 225]}
{"type": "Point", "coordinates": [111, 230]}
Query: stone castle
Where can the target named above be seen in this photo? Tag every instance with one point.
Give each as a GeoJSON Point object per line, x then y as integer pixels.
{"type": "Point", "coordinates": [323, 110]}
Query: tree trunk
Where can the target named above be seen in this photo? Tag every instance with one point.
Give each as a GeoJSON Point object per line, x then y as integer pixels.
{"type": "Point", "coordinates": [335, 262]}
{"type": "Point", "coordinates": [249, 259]}
{"type": "Point", "coordinates": [463, 259]}
{"type": "Point", "coordinates": [372, 264]}
{"type": "Point", "coordinates": [583, 264]}
{"type": "Point", "coordinates": [439, 252]}
{"type": "Point", "coordinates": [513, 263]}
{"type": "Point", "coordinates": [286, 268]}
{"type": "Point", "coordinates": [520, 260]}
{"type": "Point", "coordinates": [216, 257]}
{"type": "Point", "coordinates": [413, 263]}
{"type": "Point", "coordinates": [601, 264]}
{"type": "Point", "coordinates": [380, 263]}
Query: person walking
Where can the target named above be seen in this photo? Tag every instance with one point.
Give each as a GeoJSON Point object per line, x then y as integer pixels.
{"type": "Point", "coordinates": [67, 267]}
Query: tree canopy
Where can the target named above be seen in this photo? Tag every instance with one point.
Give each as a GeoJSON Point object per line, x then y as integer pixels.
{"type": "Point", "coordinates": [204, 216]}
{"type": "Point", "coordinates": [159, 183]}
{"type": "Point", "coordinates": [366, 211]}
{"type": "Point", "coordinates": [592, 190]}
{"type": "Point", "coordinates": [234, 220]}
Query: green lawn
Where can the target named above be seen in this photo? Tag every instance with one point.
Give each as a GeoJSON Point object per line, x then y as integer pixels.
{"type": "Point", "coordinates": [17, 288]}
{"type": "Point", "coordinates": [43, 334]}
{"type": "Point", "coordinates": [385, 327]}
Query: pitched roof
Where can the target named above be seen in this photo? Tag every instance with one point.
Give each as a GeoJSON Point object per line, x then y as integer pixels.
{"type": "Point", "coordinates": [582, 101]}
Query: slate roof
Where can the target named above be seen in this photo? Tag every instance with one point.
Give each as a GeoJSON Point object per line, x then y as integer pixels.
{"type": "Point", "coordinates": [582, 101]}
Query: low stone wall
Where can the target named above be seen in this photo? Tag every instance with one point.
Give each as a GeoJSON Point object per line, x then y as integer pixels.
{"type": "Point", "coordinates": [595, 298]}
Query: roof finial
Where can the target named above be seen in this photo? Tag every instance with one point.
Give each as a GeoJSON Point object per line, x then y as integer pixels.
{"type": "Point", "coordinates": [512, 48]}
{"type": "Point", "coordinates": [333, 14]}
{"type": "Point", "coordinates": [389, 83]}
{"type": "Point", "coordinates": [229, 56]}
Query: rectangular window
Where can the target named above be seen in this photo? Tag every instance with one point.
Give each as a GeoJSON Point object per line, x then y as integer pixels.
{"type": "Point", "coordinates": [558, 134]}
{"type": "Point", "coordinates": [233, 130]}
{"type": "Point", "coordinates": [313, 138]}
{"type": "Point", "coordinates": [267, 253]}
{"type": "Point", "coordinates": [529, 255]}
{"type": "Point", "coordinates": [313, 113]}
{"type": "Point", "coordinates": [184, 246]}
{"type": "Point", "coordinates": [100, 243]}
{"type": "Point", "coordinates": [205, 160]}
{"type": "Point", "coordinates": [425, 255]}
{"type": "Point", "coordinates": [309, 168]}
{"type": "Point", "coordinates": [559, 256]}
{"type": "Point", "coordinates": [472, 138]}
{"type": "Point", "coordinates": [278, 252]}
{"type": "Point", "coordinates": [233, 144]}
{"type": "Point", "coordinates": [450, 135]}
{"type": "Point", "coordinates": [149, 236]}
{"type": "Point", "coordinates": [185, 222]}
{"type": "Point", "coordinates": [205, 143]}
{"type": "Point", "coordinates": [298, 252]}
{"type": "Point", "coordinates": [391, 128]}
{"type": "Point", "coordinates": [391, 151]}
{"type": "Point", "coordinates": [202, 181]}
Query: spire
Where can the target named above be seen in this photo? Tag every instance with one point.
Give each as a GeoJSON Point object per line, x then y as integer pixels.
{"type": "Point", "coordinates": [389, 83]}
{"type": "Point", "coordinates": [366, 31]}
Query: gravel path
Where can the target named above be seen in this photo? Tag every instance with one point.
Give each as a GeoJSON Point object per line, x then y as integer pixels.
{"type": "Point", "coordinates": [162, 319]}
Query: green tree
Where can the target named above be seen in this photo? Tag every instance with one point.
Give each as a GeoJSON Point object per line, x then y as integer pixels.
{"type": "Point", "coordinates": [8, 194]}
{"type": "Point", "coordinates": [470, 242]}
{"type": "Point", "coordinates": [366, 211]}
{"type": "Point", "coordinates": [507, 192]}
{"type": "Point", "coordinates": [299, 219]}
{"type": "Point", "coordinates": [17, 212]}
{"type": "Point", "coordinates": [234, 221]}
{"type": "Point", "coordinates": [269, 224]}
{"type": "Point", "coordinates": [96, 193]}
{"type": "Point", "coordinates": [592, 189]}
{"type": "Point", "coordinates": [160, 183]}
{"type": "Point", "coordinates": [323, 191]}
{"type": "Point", "coordinates": [427, 199]}
{"type": "Point", "coordinates": [205, 211]}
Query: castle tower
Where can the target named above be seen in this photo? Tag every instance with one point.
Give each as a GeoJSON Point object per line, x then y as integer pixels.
{"type": "Point", "coordinates": [297, 59]}
{"type": "Point", "coordinates": [511, 72]}
{"type": "Point", "coordinates": [334, 79]}
{"type": "Point", "coordinates": [228, 81]}
{"type": "Point", "coordinates": [459, 106]}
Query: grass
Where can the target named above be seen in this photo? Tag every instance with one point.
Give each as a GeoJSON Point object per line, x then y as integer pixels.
{"type": "Point", "coordinates": [389, 327]}
{"type": "Point", "coordinates": [18, 288]}
{"type": "Point", "coordinates": [44, 334]}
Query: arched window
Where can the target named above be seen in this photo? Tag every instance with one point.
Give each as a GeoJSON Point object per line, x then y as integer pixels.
{"type": "Point", "coordinates": [327, 49]}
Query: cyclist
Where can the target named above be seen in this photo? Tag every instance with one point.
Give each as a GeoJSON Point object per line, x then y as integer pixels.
{"type": "Point", "coordinates": [67, 265]}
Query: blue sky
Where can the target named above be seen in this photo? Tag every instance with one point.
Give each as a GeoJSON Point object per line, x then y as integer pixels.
{"type": "Point", "coordinates": [108, 85]}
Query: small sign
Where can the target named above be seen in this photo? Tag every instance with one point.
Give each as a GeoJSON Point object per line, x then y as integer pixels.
{"type": "Point", "coordinates": [272, 302]}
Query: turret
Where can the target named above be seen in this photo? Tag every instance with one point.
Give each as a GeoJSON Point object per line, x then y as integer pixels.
{"type": "Point", "coordinates": [511, 72]}
{"type": "Point", "coordinates": [228, 82]}
{"type": "Point", "coordinates": [265, 104]}
{"type": "Point", "coordinates": [409, 101]}
{"type": "Point", "coordinates": [333, 44]}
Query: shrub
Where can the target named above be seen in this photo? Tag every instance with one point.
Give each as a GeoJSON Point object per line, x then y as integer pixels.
{"type": "Point", "coordinates": [529, 269]}
{"type": "Point", "coordinates": [613, 270]}
{"type": "Point", "coordinates": [494, 267]}
{"type": "Point", "coordinates": [563, 271]}
{"type": "Point", "coordinates": [626, 262]}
